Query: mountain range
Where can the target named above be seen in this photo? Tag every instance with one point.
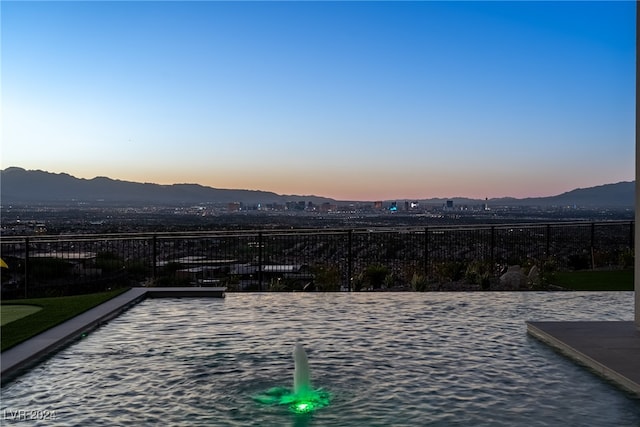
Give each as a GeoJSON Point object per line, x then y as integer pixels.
{"type": "Point", "coordinates": [18, 185]}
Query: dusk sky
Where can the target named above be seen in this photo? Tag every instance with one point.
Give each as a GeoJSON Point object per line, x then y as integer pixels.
{"type": "Point", "coordinates": [350, 100]}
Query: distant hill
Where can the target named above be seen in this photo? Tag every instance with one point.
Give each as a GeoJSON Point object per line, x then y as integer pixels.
{"type": "Point", "coordinates": [18, 185]}
{"type": "Point", "coordinates": [36, 186]}
{"type": "Point", "coordinates": [621, 194]}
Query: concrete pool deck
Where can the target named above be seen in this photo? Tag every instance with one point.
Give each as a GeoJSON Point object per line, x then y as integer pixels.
{"type": "Point", "coordinates": [24, 355]}
{"type": "Point", "coordinates": [610, 349]}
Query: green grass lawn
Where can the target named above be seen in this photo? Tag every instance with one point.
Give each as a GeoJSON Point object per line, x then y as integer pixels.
{"type": "Point", "coordinates": [587, 280]}
{"type": "Point", "coordinates": [54, 311]}
{"type": "Point", "coordinates": [11, 313]}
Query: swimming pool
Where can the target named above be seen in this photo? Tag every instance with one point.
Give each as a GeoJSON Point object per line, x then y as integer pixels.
{"type": "Point", "coordinates": [387, 359]}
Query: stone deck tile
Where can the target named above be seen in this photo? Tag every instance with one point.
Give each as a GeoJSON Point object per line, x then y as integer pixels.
{"type": "Point", "coordinates": [610, 349]}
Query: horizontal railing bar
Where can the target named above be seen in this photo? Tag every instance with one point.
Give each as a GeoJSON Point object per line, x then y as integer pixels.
{"type": "Point", "coordinates": [290, 232]}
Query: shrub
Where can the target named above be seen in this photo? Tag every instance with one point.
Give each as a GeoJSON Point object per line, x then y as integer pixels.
{"type": "Point", "coordinates": [450, 271]}
{"type": "Point", "coordinates": [108, 261]}
{"type": "Point", "coordinates": [419, 282]}
{"type": "Point", "coordinates": [327, 278]}
{"type": "Point", "coordinates": [375, 275]}
{"type": "Point", "coordinates": [627, 258]}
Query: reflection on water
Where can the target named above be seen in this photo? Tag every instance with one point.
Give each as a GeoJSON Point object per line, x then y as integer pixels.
{"type": "Point", "coordinates": [398, 359]}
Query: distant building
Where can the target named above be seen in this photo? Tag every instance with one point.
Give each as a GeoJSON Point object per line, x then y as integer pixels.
{"type": "Point", "coordinates": [449, 204]}
{"type": "Point", "coordinates": [377, 205]}
{"type": "Point", "coordinates": [234, 207]}
{"type": "Point", "coordinates": [296, 206]}
{"type": "Point", "coordinates": [328, 207]}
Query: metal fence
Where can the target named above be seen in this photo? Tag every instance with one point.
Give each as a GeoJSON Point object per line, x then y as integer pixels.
{"type": "Point", "coordinates": [330, 260]}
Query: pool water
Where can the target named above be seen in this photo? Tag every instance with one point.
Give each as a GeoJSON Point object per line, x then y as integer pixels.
{"type": "Point", "coordinates": [387, 359]}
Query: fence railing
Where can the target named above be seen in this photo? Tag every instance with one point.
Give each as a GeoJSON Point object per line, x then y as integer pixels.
{"type": "Point", "coordinates": [330, 260]}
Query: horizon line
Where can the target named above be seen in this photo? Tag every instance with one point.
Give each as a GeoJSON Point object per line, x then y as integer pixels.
{"type": "Point", "coordinates": [343, 200]}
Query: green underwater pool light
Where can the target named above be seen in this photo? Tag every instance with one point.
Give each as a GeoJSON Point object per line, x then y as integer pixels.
{"type": "Point", "coordinates": [299, 404]}
{"type": "Point", "coordinates": [303, 399]}
{"type": "Point", "coordinates": [303, 407]}
{"type": "Point", "coordinates": [311, 403]}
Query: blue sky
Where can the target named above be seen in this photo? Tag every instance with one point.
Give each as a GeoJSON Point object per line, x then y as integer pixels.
{"type": "Point", "coordinates": [351, 100]}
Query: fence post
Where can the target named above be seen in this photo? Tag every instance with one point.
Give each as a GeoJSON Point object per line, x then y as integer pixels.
{"type": "Point", "coordinates": [260, 261]}
{"type": "Point", "coordinates": [154, 256]}
{"type": "Point", "coordinates": [426, 252]}
{"type": "Point", "coordinates": [493, 246]}
{"type": "Point", "coordinates": [26, 265]}
{"type": "Point", "coordinates": [593, 236]}
{"type": "Point", "coordinates": [349, 259]}
{"type": "Point", "coordinates": [548, 241]}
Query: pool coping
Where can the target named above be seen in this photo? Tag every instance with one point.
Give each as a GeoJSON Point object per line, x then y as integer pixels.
{"type": "Point", "coordinates": [17, 359]}
{"type": "Point", "coordinates": [611, 349]}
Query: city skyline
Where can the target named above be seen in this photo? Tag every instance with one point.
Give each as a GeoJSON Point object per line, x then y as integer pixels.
{"type": "Point", "coordinates": [347, 100]}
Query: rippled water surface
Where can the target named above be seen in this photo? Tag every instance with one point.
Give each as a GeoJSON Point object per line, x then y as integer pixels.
{"type": "Point", "coordinates": [403, 359]}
